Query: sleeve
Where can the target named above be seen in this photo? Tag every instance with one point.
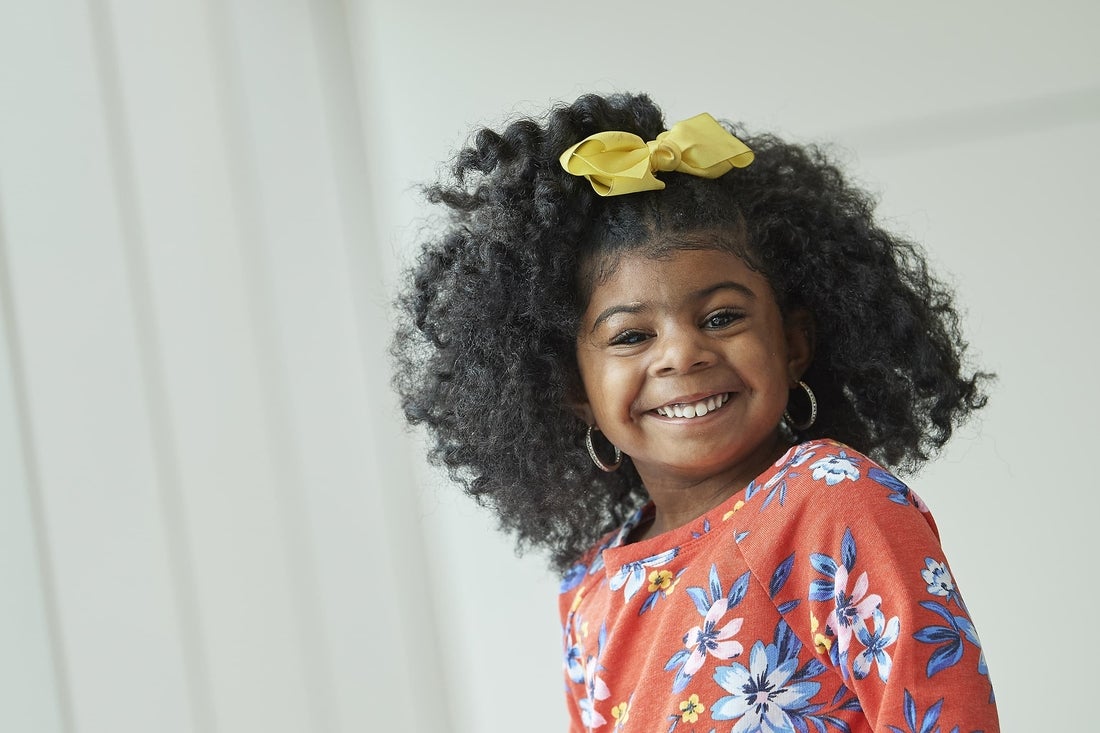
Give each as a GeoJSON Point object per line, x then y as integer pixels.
{"type": "Point", "coordinates": [574, 585]}
{"type": "Point", "coordinates": [865, 584]}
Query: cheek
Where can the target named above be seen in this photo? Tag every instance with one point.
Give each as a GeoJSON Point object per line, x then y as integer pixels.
{"type": "Point", "coordinates": [595, 374]}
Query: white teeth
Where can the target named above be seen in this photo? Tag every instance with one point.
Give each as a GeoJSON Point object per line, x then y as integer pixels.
{"type": "Point", "coordinates": [697, 409]}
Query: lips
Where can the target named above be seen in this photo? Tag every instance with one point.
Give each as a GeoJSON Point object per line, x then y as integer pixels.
{"type": "Point", "coordinates": [694, 409]}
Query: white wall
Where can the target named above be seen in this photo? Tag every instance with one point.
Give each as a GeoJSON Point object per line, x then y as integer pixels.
{"type": "Point", "coordinates": [197, 529]}
{"type": "Point", "coordinates": [209, 517]}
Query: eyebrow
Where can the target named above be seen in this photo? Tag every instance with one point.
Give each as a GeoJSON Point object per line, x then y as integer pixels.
{"type": "Point", "coordinates": [726, 285]}
{"type": "Point", "coordinates": [633, 308]}
{"type": "Point", "coordinates": [616, 309]}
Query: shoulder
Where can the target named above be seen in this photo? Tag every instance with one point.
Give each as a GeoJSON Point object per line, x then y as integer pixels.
{"type": "Point", "coordinates": [827, 469]}
{"type": "Point", "coordinates": [853, 562]}
{"type": "Point", "coordinates": [822, 489]}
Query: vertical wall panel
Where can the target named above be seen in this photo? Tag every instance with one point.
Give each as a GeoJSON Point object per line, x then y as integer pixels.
{"type": "Point", "coordinates": [202, 324]}
{"type": "Point", "coordinates": [88, 426]}
{"type": "Point", "coordinates": [392, 538]}
{"type": "Point", "coordinates": [193, 231]}
{"type": "Point", "coordinates": [291, 93]}
{"type": "Point", "coordinates": [33, 695]}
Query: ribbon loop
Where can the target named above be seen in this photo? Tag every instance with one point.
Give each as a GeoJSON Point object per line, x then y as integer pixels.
{"type": "Point", "coordinates": [617, 163]}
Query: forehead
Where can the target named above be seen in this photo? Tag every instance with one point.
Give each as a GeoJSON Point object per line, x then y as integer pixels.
{"type": "Point", "coordinates": [671, 277]}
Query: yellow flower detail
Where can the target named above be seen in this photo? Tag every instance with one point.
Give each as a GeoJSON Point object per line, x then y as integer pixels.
{"type": "Point", "coordinates": [736, 506]}
{"type": "Point", "coordinates": [576, 600]}
{"type": "Point", "coordinates": [620, 713]}
{"type": "Point", "coordinates": [672, 586]}
{"type": "Point", "coordinates": [584, 629]}
{"type": "Point", "coordinates": [690, 709]}
{"type": "Point", "coordinates": [659, 580]}
{"type": "Point", "coordinates": [821, 642]}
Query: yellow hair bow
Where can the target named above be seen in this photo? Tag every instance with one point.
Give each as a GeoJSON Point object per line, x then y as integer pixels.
{"type": "Point", "coordinates": [621, 162]}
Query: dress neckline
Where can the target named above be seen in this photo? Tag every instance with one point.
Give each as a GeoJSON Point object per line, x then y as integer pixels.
{"type": "Point", "coordinates": [620, 552]}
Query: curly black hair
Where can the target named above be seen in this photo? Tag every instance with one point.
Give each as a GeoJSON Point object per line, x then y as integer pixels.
{"type": "Point", "coordinates": [485, 344]}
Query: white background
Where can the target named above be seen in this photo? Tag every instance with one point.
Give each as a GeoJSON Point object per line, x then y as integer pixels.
{"type": "Point", "coordinates": [210, 517]}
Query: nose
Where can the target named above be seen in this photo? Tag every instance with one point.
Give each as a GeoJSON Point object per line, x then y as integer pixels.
{"type": "Point", "coordinates": [681, 351]}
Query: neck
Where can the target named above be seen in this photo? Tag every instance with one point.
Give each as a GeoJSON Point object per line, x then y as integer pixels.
{"type": "Point", "coordinates": [679, 499]}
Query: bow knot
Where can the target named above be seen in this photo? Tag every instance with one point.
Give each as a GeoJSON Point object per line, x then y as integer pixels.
{"type": "Point", "coordinates": [617, 162]}
{"type": "Point", "coordinates": [664, 155]}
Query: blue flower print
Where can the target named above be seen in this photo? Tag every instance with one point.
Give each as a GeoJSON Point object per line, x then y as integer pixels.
{"type": "Point", "coordinates": [899, 492]}
{"type": "Point", "coordinates": [949, 638]}
{"type": "Point", "coordinates": [762, 694]}
{"type": "Point", "coordinates": [572, 577]}
{"type": "Point", "coordinates": [632, 574]}
{"type": "Point", "coordinates": [776, 486]}
{"type": "Point", "coordinates": [574, 663]}
{"type": "Point", "coordinates": [885, 634]}
{"type": "Point", "coordinates": [938, 578]}
{"type": "Point", "coordinates": [940, 583]}
{"type": "Point", "coordinates": [835, 469]}
{"type": "Point", "coordinates": [927, 722]}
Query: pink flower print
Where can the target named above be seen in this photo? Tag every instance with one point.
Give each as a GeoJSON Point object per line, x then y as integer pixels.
{"type": "Point", "coordinates": [597, 690]}
{"type": "Point", "coordinates": [708, 639]}
{"type": "Point", "coordinates": [850, 609]}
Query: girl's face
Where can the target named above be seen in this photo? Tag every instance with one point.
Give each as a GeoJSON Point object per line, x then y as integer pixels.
{"type": "Point", "coordinates": [686, 363]}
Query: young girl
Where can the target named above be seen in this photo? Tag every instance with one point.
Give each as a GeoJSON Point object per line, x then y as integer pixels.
{"type": "Point", "coordinates": [677, 359]}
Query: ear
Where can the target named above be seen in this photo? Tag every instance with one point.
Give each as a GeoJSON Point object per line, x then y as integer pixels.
{"type": "Point", "coordinates": [578, 403]}
{"type": "Point", "coordinates": [799, 328]}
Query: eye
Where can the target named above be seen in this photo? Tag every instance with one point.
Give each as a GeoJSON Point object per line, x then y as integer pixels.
{"type": "Point", "coordinates": [722, 318]}
{"type": "Point", "coordinates": [629, 338]}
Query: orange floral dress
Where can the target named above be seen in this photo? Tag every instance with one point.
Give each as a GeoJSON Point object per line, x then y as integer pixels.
{"type": "Point", "coordinates": [818, 599]}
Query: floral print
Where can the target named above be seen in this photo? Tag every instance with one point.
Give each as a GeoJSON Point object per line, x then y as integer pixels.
{"type": "Point", "coordinates": [709, 638]}
{"type": "Point", "coordinates": [938, 578]}
{"type": "Point", "coordinates": [690, 709]}
{"type": "Point", "coordinates": [595, 688]}
{"type": "Point", "coordinates": [836, 468]}
{"type": "Point", "coordinates": [875, 643]}
{"type": "Point", "coordinates": [631, 576]}
{"type": "Point", "coordinates": [809, 602]}
{"type": "Point", "coordinates": [621, 713]}
{"type": "Point", "coordinates": [763, 693]}
{"type": "Point", "coordinates": [661, 584]}
{"type": "Point", "coordinates": [850, 610]}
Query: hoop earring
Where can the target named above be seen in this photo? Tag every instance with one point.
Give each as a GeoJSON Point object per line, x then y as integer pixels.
{"type": "Point", "coordinates": [813, 410]}
{"type": "Point", "coordinates": [596, 459]}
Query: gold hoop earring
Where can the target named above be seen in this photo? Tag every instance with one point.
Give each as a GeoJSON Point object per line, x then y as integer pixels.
{"type": "Point", "coordinates": [813, 410]}
{"type": "Point", "coordinates": [596, 459]}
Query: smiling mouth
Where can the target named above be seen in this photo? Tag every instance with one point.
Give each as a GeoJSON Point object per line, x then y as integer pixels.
{"type": "Point", "coordinates": [694, 409]}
